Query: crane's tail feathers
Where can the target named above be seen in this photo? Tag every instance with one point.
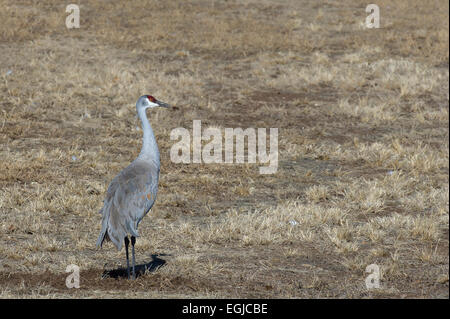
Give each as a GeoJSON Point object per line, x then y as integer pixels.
{"type": "Point", "coordinates": [107, 232]}
{"type": "Point", "coordinates": [101, 239]}
{"type": "Point", "coordinates": [116, 233]}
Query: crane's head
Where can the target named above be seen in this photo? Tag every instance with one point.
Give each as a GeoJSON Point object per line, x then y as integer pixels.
{"type": "Point", "coordinates": [148, 101]}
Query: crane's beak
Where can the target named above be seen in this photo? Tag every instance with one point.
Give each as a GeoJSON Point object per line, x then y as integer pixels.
{"type": "Point", "coordinates": [162, 104]}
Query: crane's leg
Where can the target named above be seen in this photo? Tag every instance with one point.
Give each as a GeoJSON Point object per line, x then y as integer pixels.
{"type": "Point", "coordinates": [127, 242]}
{"type": "Point", "coordinates": [133, 241]}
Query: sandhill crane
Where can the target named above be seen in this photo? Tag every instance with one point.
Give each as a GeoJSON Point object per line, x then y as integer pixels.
{"type": "Point", "coordinates": [132, 192]}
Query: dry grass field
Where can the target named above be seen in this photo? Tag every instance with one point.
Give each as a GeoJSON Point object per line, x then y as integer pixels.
{"type": "Point", "coordinates": [362, 116]}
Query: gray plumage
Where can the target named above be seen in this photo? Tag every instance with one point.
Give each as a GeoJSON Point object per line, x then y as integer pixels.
{"type": "Point", "coordinates": [130, 196]}
{"type": "Point", "coordinates": [132, 193]}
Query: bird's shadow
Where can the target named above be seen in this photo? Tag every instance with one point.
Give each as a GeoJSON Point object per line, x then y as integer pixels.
{"type": "Point", "coordinates": [153, 265]}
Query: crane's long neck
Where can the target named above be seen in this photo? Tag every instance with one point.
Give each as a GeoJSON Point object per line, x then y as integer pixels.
{"type": "Point", "coordinates": [149, 151]}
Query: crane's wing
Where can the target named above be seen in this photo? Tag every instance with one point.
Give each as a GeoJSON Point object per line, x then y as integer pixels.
{"type": "Point", "coordinates": [129, 197]}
